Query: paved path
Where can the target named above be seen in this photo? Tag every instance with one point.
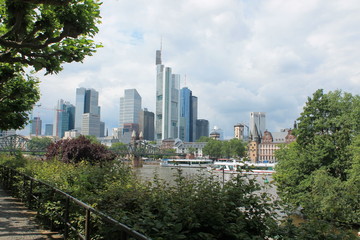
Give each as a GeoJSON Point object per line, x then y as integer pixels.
{"type": "Point", "coordinates": [17, 222]}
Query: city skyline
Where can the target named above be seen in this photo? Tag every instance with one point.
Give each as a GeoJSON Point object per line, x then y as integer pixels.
{"type": "Point", "coordinates": [238, 56]}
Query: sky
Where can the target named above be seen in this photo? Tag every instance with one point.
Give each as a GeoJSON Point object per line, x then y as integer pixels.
{"type": "Point", "coordinates": [238, 56]}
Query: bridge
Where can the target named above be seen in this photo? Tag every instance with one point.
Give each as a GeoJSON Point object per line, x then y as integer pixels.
{"type": "Point", "coordinates": [134, 151]}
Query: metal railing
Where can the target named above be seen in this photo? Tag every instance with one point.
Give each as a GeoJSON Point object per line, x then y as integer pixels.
{"type": "Point", "coordinates": [63, 210]}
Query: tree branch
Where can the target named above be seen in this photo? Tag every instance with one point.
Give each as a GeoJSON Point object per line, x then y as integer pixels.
{"type": "Point", "coordinates": [47, 2]}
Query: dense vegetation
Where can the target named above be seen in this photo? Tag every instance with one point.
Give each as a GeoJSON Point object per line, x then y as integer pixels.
{"type": "Point", "coordinates": [190, 208]}
{"type": "Point", "coordinates": [320, 172]}
{"type": "Point", "coordinates": [233, 148]}
{"type": "Point", "coordinates": [79, 149]}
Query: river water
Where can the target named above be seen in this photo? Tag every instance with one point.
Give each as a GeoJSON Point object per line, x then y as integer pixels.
{"type": "Point", "coordinates": [147, 173]}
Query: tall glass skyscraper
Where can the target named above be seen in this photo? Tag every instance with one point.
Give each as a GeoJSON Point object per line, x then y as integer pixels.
{"type": "Point", "coordinates": [87, 112]}
{"type": "Point", "coordinates": [64, 118]}
{"type": "Point", "coordinates": [130, 107]}
{"type": "Point", "coordinates": [188, 115]}
{"type": "Point", "coordinates": [167, 101]}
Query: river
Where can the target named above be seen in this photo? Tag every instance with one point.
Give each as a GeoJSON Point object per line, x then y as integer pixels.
{"type": "Point", "coordinates": [147, 173]}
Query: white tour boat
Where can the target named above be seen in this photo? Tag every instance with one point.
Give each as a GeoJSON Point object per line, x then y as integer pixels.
{"type": "Point", "coordinates": [188, 163]}
{"type": "Point", "coordinates": [233, 166]}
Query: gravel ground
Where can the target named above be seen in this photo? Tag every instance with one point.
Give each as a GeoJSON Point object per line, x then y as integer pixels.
{"type": "Point", "coordinates": [17, 222]}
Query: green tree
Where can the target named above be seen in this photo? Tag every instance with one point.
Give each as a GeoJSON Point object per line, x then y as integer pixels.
{"type": "Point", "coordinates": [18, 94]}
{"type": "Point", "coordinates": [79, 149]}
{"type": "Point", "coordinates": [237, 148]}
{"type": "Point", "coordinates": [42, 34]}
{"type": "Point", "coordinates": [213, 149]}
{"type": "Point", "coordinates": [203, 139]}
{"type": "Point", "coordinates": [39, 144]}
{"type": "Point", "coordinates": [315, 171]}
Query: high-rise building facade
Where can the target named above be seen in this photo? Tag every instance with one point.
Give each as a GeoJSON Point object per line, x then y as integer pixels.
{"type": "Point", "coordinates": [188, 115]}
{"type": "Point", "coordinates": [185, 126]}
{"type": "Point", "coordinates": [49, 129]}
{"type": "Point", "coordinates": [167, 101]}
{"type": "Point", "coordinates": [146, 124]}
{"type": "Point", "coordinates": [202, 128]}
{"type": "Point", "coordinates": [130, 107]}
{"type": "Point", "coordinates": [36, 124]}
{"type": "Point", "coordinates": [64, 119]}
{"type": "Point", "coordinates": [90, 125]}
{"type": "Point", "coordinates": [87, 112]}
{"type": "Point", "coordinates": [257, 125]}
{"type": "Point", "coordinates": [194, 116]}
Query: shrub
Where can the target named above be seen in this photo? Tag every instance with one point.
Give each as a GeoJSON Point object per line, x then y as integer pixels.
{"type": "Point", "coordinates": [79, 149]}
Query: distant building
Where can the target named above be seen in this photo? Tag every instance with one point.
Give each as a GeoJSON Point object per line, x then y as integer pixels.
{"type": "Point", "coordinates": [239, 131]}
{"type": "Point", "coordinates": [167, 101]}
{"type": "Point", "coordinates": [130, 107]}
{"type": "Point", "coordinates": [64, 119]}
{"type": "Point", "coordinates": [195, 148]}
{"type": "Point", "coordinates": [146, 124]}
{"type": "Point", "coordinates": [90, 125]}
{"type": "Point", "coordinates": [71, 134]}
{"type": "Point", "coordinates": [36, 124]}
{"type": "Point", "coordinates": [270, 142]}
{"type": "Point", "coordinates": [102, 129]}
{"type": "Point", "coordinates": [87, 111]}
{"type": "Point", "coordinates": [49, 129]}
{"type": "Point", "coordinates": [188, 115]}
{"type": "Point", "coordinates": [202, 128]}
{"type": "Point", "coordinates": [217, 133]}
{"type": "Point", "coordinates": [257, 125]}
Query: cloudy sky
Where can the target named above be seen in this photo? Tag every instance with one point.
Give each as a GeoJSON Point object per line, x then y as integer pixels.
{"type": "Point", "coordinates": [238, 56]}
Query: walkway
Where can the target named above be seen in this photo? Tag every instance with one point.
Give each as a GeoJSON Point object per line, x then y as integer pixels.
{"type": "Point", "coordinates": [17, 222]}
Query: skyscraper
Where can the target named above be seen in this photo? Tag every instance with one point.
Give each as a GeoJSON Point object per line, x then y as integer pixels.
{"type": "Point", "coordinates": [202, 128]}
{"type": "Point", "coordinates": [64, 118]}
{"type": "Point", "coordinates": [185, 127]}
{"type": "Point", "coordinates": [257, 125]}
{"type": "Point", "coordinates": [188, 115]}
{"type": "Point", "coordinates": [194, 107]}
{"type": "Point", "coordinates": [36, 124]}
{"type": "Point", "coordinates": [49, 129]}
{"type": "Point", "coordinates": [146, 124]}
{"type": "Point", "coordinates": [130, 107]}
{"type": "Point", "coordinates": [167, 101]}
{"type": "Point", "coordinates": [87, 112]}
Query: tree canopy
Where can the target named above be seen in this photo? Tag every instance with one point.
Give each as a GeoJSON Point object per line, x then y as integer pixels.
{"type": "Point", "coordinates": [319, 172]}
{"type": "Point", "coordinates": [216, 149]}
{"type": "Point", "coordinates": [40, 34]}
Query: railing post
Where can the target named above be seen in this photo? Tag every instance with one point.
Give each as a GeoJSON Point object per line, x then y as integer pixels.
{"type": "Point", "coordinates": [30, 192]}
{"type": "Point", "coordinates": [66, 217]}
{"type": "Point", "coordinates": [24, 187]}
{"type": "Point", "coordinates": [87, 225]}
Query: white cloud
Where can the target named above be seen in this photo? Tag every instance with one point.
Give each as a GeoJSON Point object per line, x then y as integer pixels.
{"type": "Point", "coordinates": [238, 56]}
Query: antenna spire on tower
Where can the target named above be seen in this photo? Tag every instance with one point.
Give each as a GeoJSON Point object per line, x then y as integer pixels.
{"type": "Point", "coordinates": [161, 43]}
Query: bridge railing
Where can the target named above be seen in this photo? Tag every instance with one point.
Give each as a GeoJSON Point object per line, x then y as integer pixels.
{"type": "Point", "coordinates": [63, 212]}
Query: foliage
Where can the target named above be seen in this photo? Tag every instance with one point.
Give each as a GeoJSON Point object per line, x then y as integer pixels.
{"type": "Point", "coordinates": [191, 208]}
{"type": "Point", "coordinates": [46, 33]}
{"type": "Point", "coordinates": [42, 34]}
{"type": "Point", "coordinates": [79, 149]}
{"type": "Point", "coordinates": [319, 172]}
{"type": "Point", "coordinates": [203, 139]}
{"type": "Point", "coordinates": [216, 149]}
{"type": "Point", "coordinates": [199, 208]}
{"type": "Point", "coordinates": [39, 143]}
{"type": "Point", "coordinates": [18, 94]}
